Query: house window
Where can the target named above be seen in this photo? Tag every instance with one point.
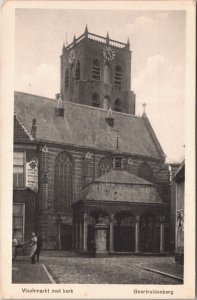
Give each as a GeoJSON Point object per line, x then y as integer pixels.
{"type": "Point", "coordinates": [118, 76]}
{"type": "Point", "coordinates": [118, 105]}
{"type": "Point", "coordinates": [18, 169]}
{"type": "Point", "coordinates": [66, 78]}
{"type": "Point", "coordinates": [95, 100]}
{"type": "Point", "coordinates": [96, 70]}
{"type": "Point", "coordinates": [77, 71]}
{"type": "Point", "coordinates": [18, 221]}
{"type": "Point", "coordinates": [63, 181]}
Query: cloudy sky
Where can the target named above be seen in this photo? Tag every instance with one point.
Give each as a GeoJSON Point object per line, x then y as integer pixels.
{"type": "Point", "coordinates": [157, 41]}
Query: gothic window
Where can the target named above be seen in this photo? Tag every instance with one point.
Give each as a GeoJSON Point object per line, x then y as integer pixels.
{"type": "Point", "coordinates": [96, 70]}
{"type": "Point", "coordinates": [117, 105]}
{"type": "Point", "coordinates": [66, 78]}
{"type": "Point", "coordinates": [105, 165]}
{"type": "Point", "coordinates": [106, 102]}
{"type": "Point", "coordinates": [77, 71]}
{"type": "Point", "coordinates": [107, 73]}
{"type": "Point", "coordinates": [118, 76]}
{"type": "Point", "coordinates": [18, 169]}
{"type": "Point", "coordinates": [145, 172]}
{"type": "Point", "coordinates": [63, 181]}
{"type": "Point", "coordinates": [95, 100]}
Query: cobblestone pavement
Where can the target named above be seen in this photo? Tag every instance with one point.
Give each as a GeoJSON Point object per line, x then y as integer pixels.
{"type": "Point", "coordinates": [115, 270]}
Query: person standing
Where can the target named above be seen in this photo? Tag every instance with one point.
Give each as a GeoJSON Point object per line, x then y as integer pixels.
{"type": "Point", "coordinates": [33, 246]}
{"type": "Point", "coordinates": [14, 249]}
{"type": "Point", "coordinates": [39, 246]}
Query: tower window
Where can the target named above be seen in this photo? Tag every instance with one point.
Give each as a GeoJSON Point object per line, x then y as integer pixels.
{"type": "Point", "coordinates": [77, 71]}
{"type": "Point", "coordinates": [118, 105]}
{"type": "Point", "coordinates": [66, 78]}
{"type": "Point", "coordinates": [107, 73]}
{"type": "Point", "coordinates": [95, 100]}
{"type": "Point", "coordinates": [118, 76]}
{"type": "Point", "coordinates": [106, 102]}
{"type": "Point", "coordinates": [96, 70]}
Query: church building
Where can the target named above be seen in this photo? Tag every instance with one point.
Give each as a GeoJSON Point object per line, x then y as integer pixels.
{"type": "Point", "coordinates": [88, 172]}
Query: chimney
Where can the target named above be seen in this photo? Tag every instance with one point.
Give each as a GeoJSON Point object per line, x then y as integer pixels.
{"type": "Point", "coordinates": [33, 128]}
{"type": "Point", "coordinates": [59, 110]}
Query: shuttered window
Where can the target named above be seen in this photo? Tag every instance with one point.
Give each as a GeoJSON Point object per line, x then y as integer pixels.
{"type": "Point", "coordinates": [18, 169]}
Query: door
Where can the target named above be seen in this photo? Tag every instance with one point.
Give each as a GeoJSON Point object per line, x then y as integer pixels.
{"type": "Point", "coordinates": [66, 237]}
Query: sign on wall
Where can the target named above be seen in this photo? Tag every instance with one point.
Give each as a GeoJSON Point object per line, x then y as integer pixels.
{"type": "Point", "coordinates": [32, 174]}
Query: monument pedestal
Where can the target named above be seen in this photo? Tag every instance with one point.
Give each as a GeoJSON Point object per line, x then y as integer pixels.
{"type": "Point", "coordinates": [101, 240]}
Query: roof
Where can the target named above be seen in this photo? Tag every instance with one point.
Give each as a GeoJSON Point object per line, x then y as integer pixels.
{"type": "Point", "coordinates": [85, 126]}
{"type": "Point", "coordinates": [121, 187]}
{"type": "Point", "coordinates": [180, 173]}
{"type": "Point", "coordinates": [121, 177]}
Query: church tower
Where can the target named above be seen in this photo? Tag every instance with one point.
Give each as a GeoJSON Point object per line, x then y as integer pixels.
{"type": "Point", "coordinates": [96, 71]}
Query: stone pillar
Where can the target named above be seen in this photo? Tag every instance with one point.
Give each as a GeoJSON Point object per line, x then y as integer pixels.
{"type": "Point", "coordinates": [77, 236]}
{"type": "Point", "coordinates": [111, 234]}
{"type": "Point", "coordinates": [85, 232]}
{"type": "Point", "coordinates": [80, 236]}
{"type": "Point", "coordinates": [73, 236]}
{"type": "Point", "coordinates": [137, 233]}
{"type": "Point", "coordinates": [101, 238]}
{"type": "Point", "coordinates": [162, 221]}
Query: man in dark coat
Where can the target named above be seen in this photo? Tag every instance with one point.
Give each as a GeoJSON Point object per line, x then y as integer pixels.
{"type": "Point", "coordinates": [39, 246]}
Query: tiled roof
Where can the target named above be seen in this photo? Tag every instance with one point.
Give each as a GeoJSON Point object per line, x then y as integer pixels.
{"type": "Point", "coordinates": [86, 126]}
{"type": "Point", "coordinates": [121, 177]}
{"type": "Point", "coordinates": [121, 187]}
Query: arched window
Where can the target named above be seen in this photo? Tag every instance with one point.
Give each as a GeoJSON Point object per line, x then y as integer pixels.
{"type": "Point", "coordinates": [66, 78]}
{"type": "Point", "coordinates": [105, 165]}
{"type": "Point", "coordinates": [145, 172]}
{"type": "Point", "coordinates": [95, 100]}
{"type": "Point", "coordinates": [117, 105]}
{"type": "Point", "coordinates": [107, 73]}
{"type": "Point", "coordinates": [118, 76]}
{"type": "Point", "coordinates": [107, 102]}
{"type": "Point", "coordinates": [63, 181]}
{"type": "Point", "coordinates": [77, 71]}
{"type": "Point", "coordinates": [96, 72]}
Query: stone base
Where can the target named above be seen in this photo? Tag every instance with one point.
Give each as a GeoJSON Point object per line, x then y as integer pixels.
{"type": "Point", "coordinates": [101, 254]}
{"type": "Point", "coordinates": [179, 258]}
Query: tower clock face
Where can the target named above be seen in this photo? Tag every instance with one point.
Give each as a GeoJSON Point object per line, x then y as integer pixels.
{"type": "Point", "coordinates": [108, 53]}
{"type": "Point", "coordinates": [71, 58]}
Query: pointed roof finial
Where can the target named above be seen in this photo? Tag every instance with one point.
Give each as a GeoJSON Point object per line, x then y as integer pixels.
{"type": "Point", "coordinates": [128, 44]}
{"type": "Point", "coordinates": [86, 31]}
{"type": "Point", "coordinates": [66, 40]}
{"type": "Point", "coordinates": [74, 40]}
{"type": "Point", "coordinates": [144, 106]}
{"type": "Point", "coordinates": [107, 38]}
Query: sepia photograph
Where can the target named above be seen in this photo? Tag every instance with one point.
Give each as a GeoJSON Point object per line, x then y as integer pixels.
{"type": "Point", "coordinates": [99, 144]}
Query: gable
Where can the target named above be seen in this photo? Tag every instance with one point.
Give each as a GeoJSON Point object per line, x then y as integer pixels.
{"type": "Point", "coordinates": [20, 134]}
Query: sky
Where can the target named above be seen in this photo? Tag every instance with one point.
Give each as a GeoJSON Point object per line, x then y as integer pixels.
{"type": "Point", "coordinates": [158, 44]}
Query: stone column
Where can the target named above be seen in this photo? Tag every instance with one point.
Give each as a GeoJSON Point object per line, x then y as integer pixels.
{"type": "Point", "coordinates": [80, 236]}
{"type": "Point", "coordinates": [137, 232]}
{"type": "Point", "coordinates": [77, 236]}
{"type": "Point", "coordinates": [162, 221]}
{"type": "Point", "coordinates": [111, 234]}
{"type": "Point", "coordinates": [85, 232]}
{"type": "Point", "coordinates": [73, 236]}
